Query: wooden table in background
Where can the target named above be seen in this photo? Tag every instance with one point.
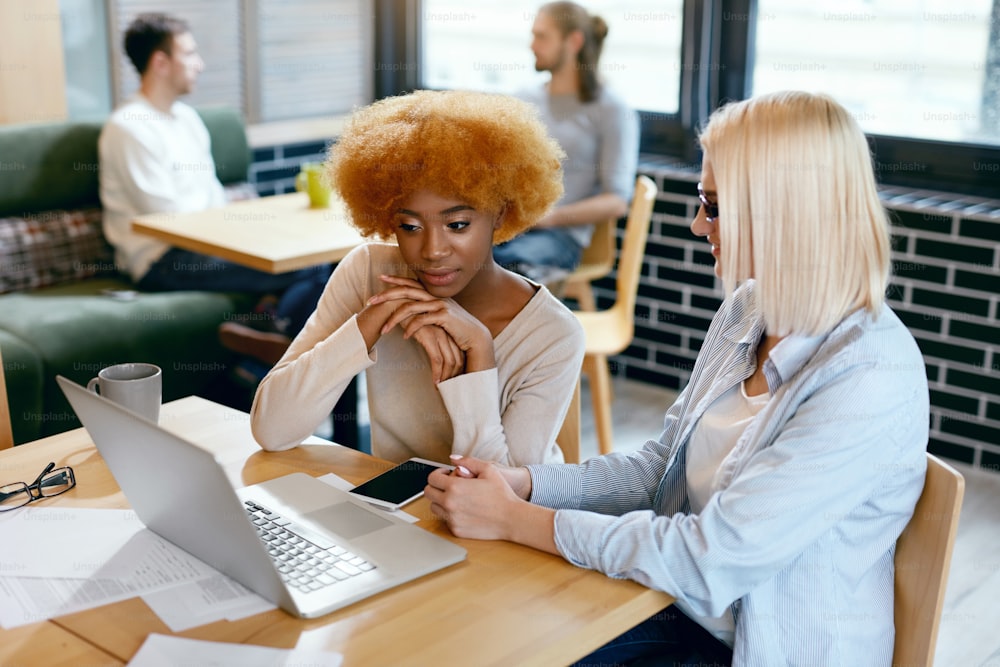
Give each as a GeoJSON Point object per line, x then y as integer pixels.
{"type": "Point", "coordinates": [505, 605]}
{"type": "Point", "coordinates": [273, 234]}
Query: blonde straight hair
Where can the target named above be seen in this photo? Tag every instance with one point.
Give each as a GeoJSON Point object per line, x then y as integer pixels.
{"type": "Point", "coordinates": [799, 209]}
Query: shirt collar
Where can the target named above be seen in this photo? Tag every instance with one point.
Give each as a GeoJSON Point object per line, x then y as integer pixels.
{"type": "Point", "coordinates": [789, 355]}
{"type": "Point", "coordinates": [747, 321]}
{"type": "Point", "coordinates": [170, 115]}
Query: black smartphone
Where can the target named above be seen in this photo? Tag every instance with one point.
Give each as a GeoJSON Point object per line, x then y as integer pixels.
{"type": "Point", "coordinates": [399, 485]}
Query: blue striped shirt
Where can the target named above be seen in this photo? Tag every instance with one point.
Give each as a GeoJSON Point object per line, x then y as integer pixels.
{"type": "Point", "coordinates": [800, 533]}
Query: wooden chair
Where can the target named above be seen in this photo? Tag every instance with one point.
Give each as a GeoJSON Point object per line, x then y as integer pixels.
{"type": "Point", "coordinates": [610, 331]}
{"type": "Point", "coordinates": [597, 261]}
{"type": "Point", "coordinates": [6, 432]}
{"type": "Point", "coordinates": [923, 558]}
{"type": "Point", "coordinates": [568, 438]}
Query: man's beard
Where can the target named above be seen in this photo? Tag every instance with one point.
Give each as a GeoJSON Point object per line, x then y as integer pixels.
{"type": "Point", "coordinates": [560, 61]}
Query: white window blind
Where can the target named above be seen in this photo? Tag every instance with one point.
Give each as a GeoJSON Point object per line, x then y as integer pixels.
{"type": "Point", "coordinates": [272, 59]}
{"type": "Point", "coordinates": [314, 57]}
{"type": "Point", "coordinates": [217, 26]}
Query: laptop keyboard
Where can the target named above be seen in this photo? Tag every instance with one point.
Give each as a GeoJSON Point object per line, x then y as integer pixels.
{"type": "Point", "coordinates": [305, 559]}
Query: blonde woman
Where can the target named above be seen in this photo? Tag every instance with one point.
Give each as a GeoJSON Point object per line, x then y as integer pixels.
{"type": "Point", "coordinates": [461, 356]}
{"type": "Point", "coordinates": [770, 504]}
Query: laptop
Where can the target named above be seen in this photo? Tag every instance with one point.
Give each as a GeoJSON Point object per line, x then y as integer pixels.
{"type": "Point", "coordinates": [297, 541]}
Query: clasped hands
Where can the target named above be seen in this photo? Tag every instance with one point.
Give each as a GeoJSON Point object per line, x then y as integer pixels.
{"type": "Point", "coordinates": [478, 499]}
{"type": "Point", "coordinates": [488, 501]}
{"type": "Point", "coordinates": [454, 340]}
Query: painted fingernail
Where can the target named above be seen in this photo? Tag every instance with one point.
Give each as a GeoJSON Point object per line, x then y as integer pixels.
{"type": "Point", "coordinates": [464, 471]}
{"type": "Point", "coordinates": [454, 457]}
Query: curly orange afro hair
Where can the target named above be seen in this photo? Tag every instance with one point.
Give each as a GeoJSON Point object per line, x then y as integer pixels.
{"type": "Point", "coordinates": [490, 151]}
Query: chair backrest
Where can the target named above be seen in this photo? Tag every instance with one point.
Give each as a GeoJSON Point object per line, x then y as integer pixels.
{"type": "Point", "coordinates": [6, 433]}
{"type": "Point", "coordinates": [568, 438]}
{"type": "Point", "coordinates": [634, 246]}
{"type": "Point", "coordinates": [923, 558]}
{"type": "Point", "coordinates": [601, 251]}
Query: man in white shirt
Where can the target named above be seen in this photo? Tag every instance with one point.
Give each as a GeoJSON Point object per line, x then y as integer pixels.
{"type": "Point", "coordinates": [155, 157]}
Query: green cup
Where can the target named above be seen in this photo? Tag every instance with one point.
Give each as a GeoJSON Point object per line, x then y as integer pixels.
{"type": "Point", "coordinates": [312, 180]}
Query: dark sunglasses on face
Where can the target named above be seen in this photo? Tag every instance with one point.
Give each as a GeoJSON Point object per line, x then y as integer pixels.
{"type": "Point", "coordinates": [711, 208]}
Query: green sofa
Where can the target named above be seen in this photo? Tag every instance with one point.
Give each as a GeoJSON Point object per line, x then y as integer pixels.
{"type": "Point", "coordinates": [55, 265]}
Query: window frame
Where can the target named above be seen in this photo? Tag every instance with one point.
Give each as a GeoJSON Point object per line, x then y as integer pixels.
{"type": "Point", "coordinates": [717, 63]}
{"type": "Point", "coordinates": [397, 42]}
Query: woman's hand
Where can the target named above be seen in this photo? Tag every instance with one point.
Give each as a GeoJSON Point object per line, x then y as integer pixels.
{"type": "Point", "coordinates": [420, 309]}
{"type": "Point", "coordinates": [477, 501]}
{"type": "Point", "coordinates": [446, 358]}
{"type": "Point", "coordinates": [474, 500]}
{"type": "Point", "coordinates": [518, 479]}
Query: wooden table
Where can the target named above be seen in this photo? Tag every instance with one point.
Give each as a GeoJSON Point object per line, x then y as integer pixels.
{"type": "Point", "coordinates": [272, 234]}
{"type": "Point", "coordinates": [505, 605]}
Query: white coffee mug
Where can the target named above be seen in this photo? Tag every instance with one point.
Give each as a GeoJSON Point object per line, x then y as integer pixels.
{"type": "Point", "coordinates": [137, 387]}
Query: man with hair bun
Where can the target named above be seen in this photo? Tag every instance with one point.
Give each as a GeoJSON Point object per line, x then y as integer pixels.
{"type": "Point", "coordinates": [461, 356]}
{"type": "Point", "coordinates": [596, 129]}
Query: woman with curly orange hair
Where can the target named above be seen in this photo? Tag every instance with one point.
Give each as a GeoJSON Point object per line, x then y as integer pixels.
{"type": "Point", "coordinates": [461, 356]}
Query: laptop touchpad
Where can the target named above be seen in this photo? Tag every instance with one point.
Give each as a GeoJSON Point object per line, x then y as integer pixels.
{"type": "Point", "coordinates": [347, 520]}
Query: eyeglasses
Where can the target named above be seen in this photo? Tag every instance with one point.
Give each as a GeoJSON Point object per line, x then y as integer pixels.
{"type": "Point", "coordinates": [51, 482]}
{"type": "Point", "coordinates": [711, 209]}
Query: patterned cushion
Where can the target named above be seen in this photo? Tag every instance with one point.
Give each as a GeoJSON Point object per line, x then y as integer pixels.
{"type": "Point", "coordinates": [51, 248]}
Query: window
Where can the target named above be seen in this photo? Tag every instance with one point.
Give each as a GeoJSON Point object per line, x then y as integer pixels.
{"type": "Point", "coordinates": [922, 77]}
{"type": "Point", "coordinates": [488, 48]}
{"type": "Point", "coordinates": [917, 68]}
{"type": "Point", "coordinates": [272, 59]}
{"type": "Point", "coordinates": [314, 57]}
{"type": "Point", "coordinates": [84, 30]}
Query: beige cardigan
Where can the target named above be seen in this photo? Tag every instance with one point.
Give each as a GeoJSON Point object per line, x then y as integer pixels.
{"type": "Point", "coordinates": [510, 414]}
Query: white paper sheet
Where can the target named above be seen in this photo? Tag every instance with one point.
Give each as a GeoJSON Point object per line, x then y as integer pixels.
{"type": "Point", "coordinates": [83, 568]}
{"type": "Point", "coordinates": [52, 565]}
{"type": "Point", "coordinates": [60, 542]}
{"type": "Point", "coordinates": [26, 600]}
{"type": "Point", "coordinates": [166, 651]}
{"type": "Point", "coordinates": [205, 601]}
